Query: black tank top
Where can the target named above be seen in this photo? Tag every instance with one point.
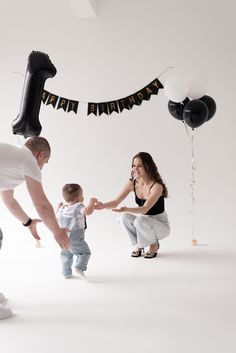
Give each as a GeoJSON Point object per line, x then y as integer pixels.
{"type": "Point", "coordinates": [157, 208]}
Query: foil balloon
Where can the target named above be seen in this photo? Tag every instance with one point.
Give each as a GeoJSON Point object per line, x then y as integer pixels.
{"type": "Point", "coordinates": [39, 68]}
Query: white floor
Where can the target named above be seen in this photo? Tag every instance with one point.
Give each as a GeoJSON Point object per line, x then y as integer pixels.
{"type": "Point", "coordinates": [182, 301]}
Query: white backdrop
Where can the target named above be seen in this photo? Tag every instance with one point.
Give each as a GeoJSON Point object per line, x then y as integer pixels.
{"type": "Point", "coordinates": [111, 56]}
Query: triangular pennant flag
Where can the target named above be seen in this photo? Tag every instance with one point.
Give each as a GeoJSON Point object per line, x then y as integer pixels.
{"type": "Point", "coordinates": [102, 108]}
{"type": "Point", "coordinates": [113, 107]}
{"type": "Point", "coordinates": [154, 86]}
{"type": "Point", "coordinates": [72, 106]}
{"type": "Point", "coordinates": [92, 108]}
{"type": "Point", "coordinates": [140, 96]}
{"type": "Point", "coordinates": [63, 103]}
{"type": "Point", "coordinates": [52, 99]}
{"type": "Point", "coordinates": [123, 104]}
{"type": "Point", "coordinates": [133, 100]}
{"type": "Point", "coordinates": [45, 95]}
{"type": "Point", "coordinates": [145, 94]}
{"type": "Point", "coordinates": [157, 83]}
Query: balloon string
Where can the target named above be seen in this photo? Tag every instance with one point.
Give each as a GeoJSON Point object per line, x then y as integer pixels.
{"type": "Point", "coordinates": [193, 178]}
{"type": "Point", "coordinates": [193, 182]}
{"type": "Point", "coordinates": [186, 129]}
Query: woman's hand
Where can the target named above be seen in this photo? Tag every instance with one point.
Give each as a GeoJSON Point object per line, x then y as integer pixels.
{"type": "Point", "coordinates": [99, 205]}
{"type": "Point", "coordinates": [119, 210]}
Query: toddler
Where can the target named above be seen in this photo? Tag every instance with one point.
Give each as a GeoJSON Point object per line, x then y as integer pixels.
{"type": "Point", "coordinates": [72, 216]}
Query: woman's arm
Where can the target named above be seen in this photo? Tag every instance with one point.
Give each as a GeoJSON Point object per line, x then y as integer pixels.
{"type": "Point", "coordinates": [114, 203]}
{"type": "Point", "coordinates": [155, 192]}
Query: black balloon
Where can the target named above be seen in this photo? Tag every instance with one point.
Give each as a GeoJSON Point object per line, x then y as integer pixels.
{"type": "Point", "coordinates": [195, 113]}
{"type": "Point", "coordinates": [39, 68]}
{"type": "Point", "coordinates": [176, 109]}
{"type": "Point", "coordinates": [211, 105]}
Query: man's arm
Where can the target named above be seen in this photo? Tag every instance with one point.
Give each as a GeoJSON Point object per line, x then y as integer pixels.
{"type": "Point", "coordinates": [17, 211]}
{"type": "Point", "coordinates": [46, 212]}
{"type": "Point", "coordinates": [13, 206]}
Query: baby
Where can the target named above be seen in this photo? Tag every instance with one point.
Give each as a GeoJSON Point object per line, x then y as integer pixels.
{"type": "Point", "coordinates": [72, 216]}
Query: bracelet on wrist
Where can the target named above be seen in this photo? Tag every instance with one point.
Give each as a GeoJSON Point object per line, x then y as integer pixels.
{"type": "Point", "coordinates": [27, 223]}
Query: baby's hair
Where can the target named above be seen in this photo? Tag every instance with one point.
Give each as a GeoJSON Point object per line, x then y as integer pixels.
{"type": "Point", "coordinates": [71, 191]}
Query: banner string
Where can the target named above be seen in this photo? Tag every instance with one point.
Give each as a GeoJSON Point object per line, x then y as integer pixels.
{"type": "Point", "coordinates": [17, 72]}
{"type": "Point", "coordinates": [165, 70]}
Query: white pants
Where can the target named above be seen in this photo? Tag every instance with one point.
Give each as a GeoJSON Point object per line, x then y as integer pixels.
{"type": "Point", "coordinates": [144, 230]}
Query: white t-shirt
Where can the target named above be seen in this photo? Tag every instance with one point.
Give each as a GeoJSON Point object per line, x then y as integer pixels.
{"type": "Point", "coordinates": [15, 164]}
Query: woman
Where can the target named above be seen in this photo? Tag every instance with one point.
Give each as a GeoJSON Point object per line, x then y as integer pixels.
{"type": "Point", "coordinates": [151, 223]}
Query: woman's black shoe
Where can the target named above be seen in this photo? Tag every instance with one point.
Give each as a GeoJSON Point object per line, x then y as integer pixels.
{"type": "Point", "coordinates": [150, 255]}
{"type": "Point", "coordinates": [137, 253]}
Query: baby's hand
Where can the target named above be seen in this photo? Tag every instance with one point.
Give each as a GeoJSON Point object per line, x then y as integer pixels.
{"type": "Point", "coordinates": [94, 200]}
{"type": "Point", "coordinates": [59, 205]}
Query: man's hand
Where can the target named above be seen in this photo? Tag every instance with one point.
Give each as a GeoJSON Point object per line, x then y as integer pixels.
{"type": "Point", "coordinates": [32, 228]}
{"type": "Point", "coordinates": [62, 238]}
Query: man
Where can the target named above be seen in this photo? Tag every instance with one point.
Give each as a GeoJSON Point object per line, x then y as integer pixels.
{"type": "Point", "coordinates": [25, 164]}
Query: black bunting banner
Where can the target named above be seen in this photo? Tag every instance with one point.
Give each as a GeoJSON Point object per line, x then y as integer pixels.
{"type": "Point", "coordinates": [107, 108]}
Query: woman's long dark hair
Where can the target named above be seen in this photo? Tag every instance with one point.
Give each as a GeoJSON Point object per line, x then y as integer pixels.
{"type": "Point", "coordinates": [151, 169]}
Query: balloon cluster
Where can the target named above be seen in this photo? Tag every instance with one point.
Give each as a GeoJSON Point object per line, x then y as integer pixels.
{"type": "Point", "coordinates": [188, 101]}
{"type": "Point", "coordinates": [39, 68]}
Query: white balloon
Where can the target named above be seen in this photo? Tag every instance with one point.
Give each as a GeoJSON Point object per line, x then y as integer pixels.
{"type": "Point", "coordinates": [197, 86]}
{"type": "Point", "coordinates": [176, 89]}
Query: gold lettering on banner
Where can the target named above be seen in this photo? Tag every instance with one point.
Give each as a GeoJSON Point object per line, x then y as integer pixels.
{"type": "Point", "coordinates": [52, 98]}
{"type": "Point", "coordinates": [149, 91]}
{"type": "Point", "coordinates": [131, 99]}
{"type": "Point", "coordinates": [73, 104]}
{"type": "Point", "coordinates": [62, 102]}
{"type": "Point", "coordinates": [43, 95]}
{"type": "Point", "coordinates": [92, 108]}
{"type": "Point", "coordinates": [112, 106]}
{"type": "Point", "coordinates": [155, 84]}
{"type": "Point", "coordinates": [140, 95]}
